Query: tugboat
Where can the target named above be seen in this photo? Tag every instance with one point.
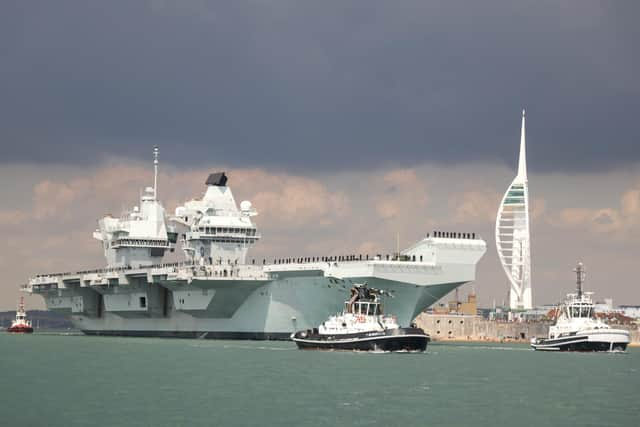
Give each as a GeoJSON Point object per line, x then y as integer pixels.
{"type": "Point", "coordinates": [21, 325]}
{"type": "Point", "coordinates": [577, 329]}
{"type": "Point", "coordinates": [362, 327]}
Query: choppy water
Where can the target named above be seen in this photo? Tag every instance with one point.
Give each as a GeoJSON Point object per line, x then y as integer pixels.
{"type": "Point", "coordinates": [56, 380]}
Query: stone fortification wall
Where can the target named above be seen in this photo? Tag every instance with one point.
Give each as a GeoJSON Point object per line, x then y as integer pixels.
{"type": "Point", "coordinates": [457, 327]}
{"type": "Point", "coordinates": [476, 328]}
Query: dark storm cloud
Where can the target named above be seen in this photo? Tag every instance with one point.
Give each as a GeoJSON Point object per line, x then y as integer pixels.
{"type": "Point", "coordinates": [321, 85]}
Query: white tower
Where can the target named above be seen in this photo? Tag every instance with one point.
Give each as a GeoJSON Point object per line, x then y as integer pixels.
{"type": "Point", "coordinates": [512, 234]}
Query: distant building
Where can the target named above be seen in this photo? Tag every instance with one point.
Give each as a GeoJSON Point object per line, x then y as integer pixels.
{"type": "Point", "coordinates": [468, 308]}
{"type": "Point", "coordinates": [604, 307]}
{"type": "Point", "coordinates": [632, 311]}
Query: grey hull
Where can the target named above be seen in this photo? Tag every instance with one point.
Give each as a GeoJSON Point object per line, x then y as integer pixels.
{"type": "Point", "coordinates": [272, 310]}
{"type": "Point", "coordinates": [253, 302]}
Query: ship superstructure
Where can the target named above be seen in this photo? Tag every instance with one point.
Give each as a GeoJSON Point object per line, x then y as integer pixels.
{"type": "Point", "coordinates": [140, 236]}
{"type": "Point", "coordinates": [214, 230]}
{"type": "Point", "coordinates": [216, 293]}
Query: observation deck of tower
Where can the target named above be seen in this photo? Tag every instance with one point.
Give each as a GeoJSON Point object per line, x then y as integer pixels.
{"type": "Point", "coordinates": [513, 236]}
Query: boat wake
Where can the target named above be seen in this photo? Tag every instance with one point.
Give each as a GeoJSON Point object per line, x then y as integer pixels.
{"type": "Point", "coordinates": [251, 347]}
{"type": "Point", "coordinates": [490, 347]}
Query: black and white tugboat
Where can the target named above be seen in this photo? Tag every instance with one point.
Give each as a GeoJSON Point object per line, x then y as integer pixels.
{"type": "Point", "coordinates": [577, 329]}
{"type": "Point", "coordinates": [362, 326]}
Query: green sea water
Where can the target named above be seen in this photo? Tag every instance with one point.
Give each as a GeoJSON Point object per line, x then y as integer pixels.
{"type": "Point", "coordinates": [58, 380]}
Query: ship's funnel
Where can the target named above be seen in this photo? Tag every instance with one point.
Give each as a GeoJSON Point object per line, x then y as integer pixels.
{"type": "Point", "coordinates": [218, 179]}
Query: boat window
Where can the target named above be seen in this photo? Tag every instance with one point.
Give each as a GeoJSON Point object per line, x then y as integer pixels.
{"type": "Point", "coordinates": [143, 302]}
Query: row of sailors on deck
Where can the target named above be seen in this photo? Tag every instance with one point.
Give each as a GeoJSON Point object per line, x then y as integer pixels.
{"type": "Point", "coordinates": [453, 235]}
{"type": "Point", "coordinates": [336, 258]}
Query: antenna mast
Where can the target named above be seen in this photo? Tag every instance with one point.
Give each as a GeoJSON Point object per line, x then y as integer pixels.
{"type": "Point", "coordinates": [155, 172]}
{"type": "Point", "coordinates": [580, 274]}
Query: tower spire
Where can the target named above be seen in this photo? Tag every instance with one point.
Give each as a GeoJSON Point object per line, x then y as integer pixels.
{"type": "Point", "coordinates": [522, 161]}
{"type": "Point", "coordinates": [155, 172]}
{"type": "Point", "coordinates": [512, 234]}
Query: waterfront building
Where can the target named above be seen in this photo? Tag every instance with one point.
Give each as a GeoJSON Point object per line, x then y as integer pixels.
{"type": "Point", "coordinates": [512, 234]}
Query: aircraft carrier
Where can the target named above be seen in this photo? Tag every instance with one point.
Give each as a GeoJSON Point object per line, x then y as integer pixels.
{"type": "Point", "coordinates": [215, 293]}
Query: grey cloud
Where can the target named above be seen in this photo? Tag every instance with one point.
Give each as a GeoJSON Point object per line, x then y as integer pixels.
{"type": "Point", "coordinates": [320, 85]}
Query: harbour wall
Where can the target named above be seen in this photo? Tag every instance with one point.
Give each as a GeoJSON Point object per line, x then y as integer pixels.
{"type": "Point", "coordinates": [443, 327]}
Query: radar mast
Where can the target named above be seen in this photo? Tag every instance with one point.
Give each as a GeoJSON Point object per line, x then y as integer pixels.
{"type": "Point", "coordinates": [155, 172]}
{"type": "Point", "coordinates": [580, 275]}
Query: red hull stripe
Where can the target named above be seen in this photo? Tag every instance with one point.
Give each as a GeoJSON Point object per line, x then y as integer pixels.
{"type": "Point", "coordinates": [23, 329]}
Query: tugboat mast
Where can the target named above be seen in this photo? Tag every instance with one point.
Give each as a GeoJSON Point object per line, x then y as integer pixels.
{"type": "Point", "coordinates": [580, 275]}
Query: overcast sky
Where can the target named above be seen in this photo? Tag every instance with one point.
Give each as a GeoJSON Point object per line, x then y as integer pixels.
{"type": "Point", "coordinates": [328, 99]}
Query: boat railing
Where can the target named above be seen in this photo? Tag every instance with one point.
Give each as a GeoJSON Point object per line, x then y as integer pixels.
{"type": "Point", "coordinates": [117, 269]}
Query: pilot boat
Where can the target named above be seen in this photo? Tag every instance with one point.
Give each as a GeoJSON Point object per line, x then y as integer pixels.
{"type": "Point", "coordinates": [576, 327]}
{"type": "Point", "coordinates": [21, 324]}
{"type": "Point", "coordinates": [362, 326]}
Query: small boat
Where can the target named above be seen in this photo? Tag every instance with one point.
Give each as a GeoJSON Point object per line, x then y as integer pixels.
{"type": "Point", "coordinates": [362, 326]}
{"type": "Point", "coordinates": [576, 327]}
{"type": "Point", "coordinates": [21, 325]}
